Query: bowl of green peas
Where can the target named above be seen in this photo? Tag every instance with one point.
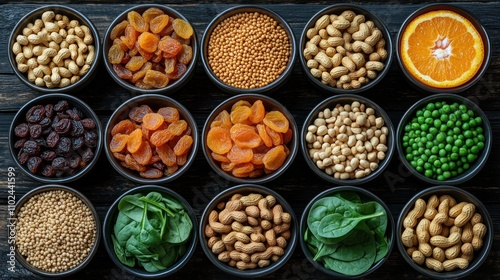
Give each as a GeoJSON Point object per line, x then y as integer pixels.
{"type": "Point", "coordinates": [444, 138]}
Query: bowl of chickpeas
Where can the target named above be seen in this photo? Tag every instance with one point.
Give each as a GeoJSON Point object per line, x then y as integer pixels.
{"type": "Point", "coordinates": [150, 48]}
{"type": "Point", "coordinates": [248, 49]}
{"type": "Point", "coordinates": [444, 139]}
{"type": "Point", "coordinates": [347, 139]}
{"type": "Point", "coordinates": [55, 49]}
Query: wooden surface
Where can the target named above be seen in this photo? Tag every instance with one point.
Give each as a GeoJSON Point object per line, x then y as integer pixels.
{"type": "Point", "coordinates": [299, 184]}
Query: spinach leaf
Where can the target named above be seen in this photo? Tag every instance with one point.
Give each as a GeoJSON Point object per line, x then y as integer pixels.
{"type": "Point", "coordinates": [325, 250]}
{"type": "Point", "coordinates": [336, 225]}
{"type": "Point", "coordinates": [349, 196]}
{"type": "Point", "coordinates": [132, 207]}
{"type": "Point", "coordinates": [377, 224]}
{"type": "Point", "coordinates": [178, 228]}
{"type": "Point", "coordinates": [122, 236]}
{"type": "Point", "coordinates": [120, 253]}
{"type": "Point", "coordinates": [382, 247]}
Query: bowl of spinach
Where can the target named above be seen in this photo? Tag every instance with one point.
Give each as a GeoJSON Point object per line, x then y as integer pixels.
{"type": "Point", "coordinates": [150, 231]}
{"type": "Point", "coordinates": [347, 232]}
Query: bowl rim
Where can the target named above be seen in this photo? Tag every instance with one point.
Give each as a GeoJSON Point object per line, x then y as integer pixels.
{"type": "Point", "coordinates": [379, 23]}
{"type": "Point", "coordinates": [269, 88]}
{"type": "Point", "coordinates": [148, 99]}
{"type": "Point", "coordinates": [378, 111]}
{"type": "Point", "coordinates": [74, 101]}
{"type": "Point", "coordinates": [475, 22]}
{"type": "Point", "coordinates": [171, 87]}
{"type": "Point", "coordinates": [480, 161]}
{"type": "Point", "coordinates": [111, 216]}
{"type": "Point", "coordinates": [67, 10]}
{"type": "Point", "coordinates": [366, 193]}
{"type": "Point", "coordinates": [487, 220]}
{"type": "Point", "coordinates": [256, 272]}
{"type": "Point", "coordinates": [293, 145]}
{"type": "Point", "coordinates": [88, 203]}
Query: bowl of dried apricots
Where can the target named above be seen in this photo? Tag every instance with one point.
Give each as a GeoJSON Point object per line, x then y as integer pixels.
{"type": "Point", "coordinates": [250, 138]}
{"type": "Point", "coordinates": [151, 139]}
{"type": "Point", "coordinates": [150, 49]}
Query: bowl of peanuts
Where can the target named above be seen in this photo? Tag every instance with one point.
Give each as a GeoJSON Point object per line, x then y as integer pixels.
{"type": "Point", "coordinates": [55, 49]}
{"type": "Point", "coordinates": [40, 216]}
{"type": "Point", "coordinates": [150, 48]}
{"type": "Point", "coordinates": [248, 49]}
{"type": "Point", "coordinates": [250, 138]}
{"type": "Point", "coordinates": [347, 139]}
{"type": "Point", "coordinates": [444, 232]}
{"type": "Point", "coordinates": [345, 49]}
{"type": "Point", "coordinates": [248, 231]}
{"type": "Point", "coordinates": [347, 232]}
{"type": "Point", "coordinates": [151, 139]}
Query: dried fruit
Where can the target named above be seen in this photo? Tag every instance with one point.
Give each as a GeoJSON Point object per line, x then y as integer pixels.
{"type": "Point", "coordinates": [152, 121]}
{"type": "Point", "coordinates": [137, 21]}
{"type": "Point", "coordinates": [170, 114]}
{"type": "Point", "coordinates": [160, 137]}
{"type": "Point", "coordinates": [223, 119]}
{"type": "Point", "coordinates": [182, 28]}
{"type": "Point", "coordinates": [143, 154]}
{"type": "Point", "coordinates": [185, 55]}
{"type": "Point", "coordinates": [157, 24]}
{"type": "Point", "coordinates": [156, 79]}
{"type": "Point", "coordinates": [134, 140]}
{"type": "Point", "coordinates": [219, 140]}
{"type": "Point", "coordinates": [240, 155]}
{"type": "Point", "coordinates": [123, 126]}
{"type": "Point", "coordinates": [148, 41]}
{"type": "Point", "coordinates": [245, 136]}
{"type": "Point", "coordinates": [274, 158]}
{"type": "Point", "coordinates": [276, 121]}
{"type": "Point", "coordinates": [169, 46]}
{"type": "Point", "coordinates": [115, 54]}
{"type": "Point", "coordinates": [137, 113]}
{"type": "Point", "coordinates": [166, 154]}
{"type": "Point", "coordinates": [135, 63]}
{"type": "Point", "coordinates": [118, 30]}
{"type": "Point", "coordinates": [118, 143]}
{"type": "Point", "coordinates": [183, 145]}
{"type": "Point", "coordinates": [177, 127]}
{"type": "Point", "coordinates": [150, 13]}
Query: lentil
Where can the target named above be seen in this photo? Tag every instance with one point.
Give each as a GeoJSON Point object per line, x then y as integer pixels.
{"type": "Point", "coordinates": [348, 141]}
{"type": "Point", "coordinates": [442, 140]}
{"type": "Point", "coordinates": [55, 231]}
{"type": "Point", "coordinates": [248, 50]}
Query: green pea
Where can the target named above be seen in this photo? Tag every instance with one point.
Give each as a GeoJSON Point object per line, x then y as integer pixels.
{"type": "Point", "coordinates": [428, 173]}
{"type": "Point", "coordinates": [446, 108]}
{"type": "Point", "coordinates": [433, 130]}
{"type": "Point", "coordinates": [424, 127]}
{"type": "Point", "coordinates": [435, 114]}
{"type": "Point", "coordinates": [454, 156]}
{"type": "Point", "coordinates": [465, 117]}
{"type": "Point", "coordinates": [442, 152]}
{"type": "Point", "coordinates": [446, 174]}
{"type": "Point", "coordinates": [456, 130]}
{"type": "Point", "coordinates": [471, 157]}
{"type": "Point", "coordinates": [469, 143]}
{"type": "Point", "coordinates": [409, 156]}
{"type": "Point", "coordinates": [480, 145]}
{"type": "Point", "coordinates": [462, 108]}
{"type": "Point", "coordinates": [440, 137]}
{"type": "Point", "coordinates": [415, 126]}
{"type": "Point", "coordinates": [462, 152]}
{"type": "Point", "coordinates": [478, 120]}
{"type": "Point", "coordinates": [430, 106]}
{"type": "Point", "coordinates": [440, 178]}
{"type": "Point", "coordinates": [437, 123]}
{"type": "Point", "coordinates": [445, 167]}
{"type": "Point", "coordinates": [465, 126]}
{"type": "Point", "coordinates": [458, 143]}
{"type": "Point", "coordinates": [427, 114]}
{"type": "Point", "coordinates": [468, 134]}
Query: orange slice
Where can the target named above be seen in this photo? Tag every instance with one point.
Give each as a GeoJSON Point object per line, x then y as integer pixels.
{"type": "Point", "coordinates": [442, 49]}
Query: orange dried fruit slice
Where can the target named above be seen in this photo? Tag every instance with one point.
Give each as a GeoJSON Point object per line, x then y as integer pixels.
{"type": "Point", "coordinates": [276, 137]}
{"type": "Point", "coordinates": [245, 136]}
{"type": "Point", "coordinates": [157, 24]}
{"type": "Point", "coordinates": [240, 114]}
{"type": "Point", "coordinates": [134, 140]}
{"type": "Point", "coordinates": [240, 155]}
{"type": "Point", "coordinates": [166, 154]}
{"type": "Point", "coordinates": [223, 119]}
{"type": "Point", "coordinates": [183, 145]}
{"type": "Point", "coordinates": [274, 158]}
{"type": "Point", "coordinates": [123, 126]}
{"type": "Point", "coordinates": [148, 41]}
{"type": "Point", "coordinates": [219, 157]}
{"type": "Point", "coordinates": [177, 127]}
{"type": "Point", "coordinates": [150, 13]}
{"type": "Point", "coordinates": [182, 28]}
{"type": "Point", "coordinates": [242, 170]}
{"type": "Point", "coordinates": [152, 121]}
{"type": "Point", "coordinates": [156, 79]}
{"type": "Point", "coordinates": [118, 143]}
{"type": "Point", "coordinates": [276, 121]}
{"type": "Point", "coordinates": [160, 137]}
{"type": "Point", "coordinates": [219, 140]}
{"type": "Point", "coordinates": [442, 49]}
{"type": "Point", "coordinates": [261, 129]}
{"type": "Point", "coordinates": [137, 21]}
{"type": "Point", "coordinates": [143, 154]}
{"type": "Point", "coordinates": [170, 114]}
{"type": "Point", "coordinates": [241, 103]}
{"type": "Point", "coordinates": [258, 112]}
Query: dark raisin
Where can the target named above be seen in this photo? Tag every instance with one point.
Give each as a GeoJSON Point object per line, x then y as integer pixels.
{"type": "Point", "coordinates": [88, 123]}
{"type": "Point", "coordinates": [46, 122]}
{"type": "Point", "coordinates": [74, 161]}
{"type": "Point", "coordinates": [64, 147]}
{"type": "Point", "coordinates": [61, 106]}
{"type": "Point", "coordinates": [48, 155]}
{"type": "Point", "coordinates": [52, 139]}
{"type": "Point", "coordinates": [22, 130]}
{"type": "Point", "coordinates": [35, 130]}
{"type": "Point", "coordinates": [49, 110]}
{"type": "Point", "coordinates": [33, 164]}
{"type": "Point", "coordinates": [60, 163]}
{"type": "Point", "coordinates": [20, 143]}
{"type": "Point", "coordinates": [31, 148]}
{"type": "Point", "coordinates": [35, 114]}
{"type": "Point", "coordinates": [48, 171]}
{"type": "Point", "coordinates": [77, 142]}
{"type": "Point", "coordinates": [63, 126]}
{"type": "Point", "coordinates": [62, 115]}
{"type": "Point", "coordinates": [159, 165]}
{"type": "Point", "coordinates": [76, 128]}
{"type": "Point", "coordinates": [90, 139]}
{"type": "Point", "coordinates": [22, 157]}
{"type": "Point", "coordinates": [40, 141]}
{"type": "Point", "coordinates": [87, 155]}
{"type": "Point", "coordinates": [55, 120]}
{"type": "Point", "coordinates": [47, 130]}
{"type": "Point", "coordinates": [74, 113]}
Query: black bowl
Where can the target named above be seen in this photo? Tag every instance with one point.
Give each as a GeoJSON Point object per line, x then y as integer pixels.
{"type": "Point", "coordinates": [136, 271]}
{"type": "Point", "coordinates": [459, 195]}
{"type": "Point", "coordinates": [479, 27]}
{"type": "Point", "coordinates": [269, 88]}
{"type": "Point", "coordinates": [245, 189]}
{"type": "Point", "coordinates": [338, 9]}
{"type": "Point", "coordinates": [171, 86]}
{"type": "Point", "coordinates": [20, 117]}
{"type": "Point", "coordinates": [365, 196]}
{"type": "Point", "coordinates": [475, 167]}
{"type": "Point", "coordinates": [72, 14]}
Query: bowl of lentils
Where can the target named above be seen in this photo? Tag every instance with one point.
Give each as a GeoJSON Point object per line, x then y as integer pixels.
{"type": "Point", "coordinates": [444, 139]}
{"type": "Point", "coordinates": [248, 49]}
{"type": "Point", "coordinates": [57, 231]}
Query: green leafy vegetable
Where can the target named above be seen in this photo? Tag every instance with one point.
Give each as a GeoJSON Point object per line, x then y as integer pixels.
{"type": "Point", "coordinates": [151, 231]}
{"type": "Point", "coordinates": [346, 234]}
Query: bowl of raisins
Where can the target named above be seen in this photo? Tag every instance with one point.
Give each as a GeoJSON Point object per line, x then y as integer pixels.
{"type": "Point", "coordinates": [151, 139]}
{"type": "Point", "coordinates": [150, 49]}
{"type": "Point", "coordinates": [55, 138]}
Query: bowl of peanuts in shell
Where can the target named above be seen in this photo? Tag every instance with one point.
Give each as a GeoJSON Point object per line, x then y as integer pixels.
{"type": "Point", "coordinates": [40, 214]}
{"type": "Point", "coordinates": [151, 139]}
{"type": "Point", "coordinates": [250, 139]}
{"type": "Point", "coordinates": [150, 48]}
{"type": "Point", "coordinates": [248, 49]}
{"type": "Point", "coordinates": [345, 48]}
{"type": "Point", "coordinates": [444, 232]}
{"type": "Point", "coordinates": [55, 49]}
{"type": "Point", "coordinates": [248, 231]}
{"type": "Point", "coordinates": [347, 139]}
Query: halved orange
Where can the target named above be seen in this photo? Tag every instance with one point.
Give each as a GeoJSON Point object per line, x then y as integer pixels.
{"type": "Point", "coordinates": [441, 49]}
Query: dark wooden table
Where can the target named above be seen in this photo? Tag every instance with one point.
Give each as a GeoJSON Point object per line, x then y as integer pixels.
{"type": "Point", "coordinates": [299, 184]}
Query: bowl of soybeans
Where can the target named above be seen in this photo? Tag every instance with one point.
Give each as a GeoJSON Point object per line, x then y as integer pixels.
{"type": "Point", "coordinates": [347, 139]}
{"type": "Point", "coordinates": [57, 231]}
{"type": "Point", "coordinates": [55, 49]}
{"type": "Point", "coordinates": [345, 48]}
{"type": "Point", "coordinates": [444, 232]}
{"type": "Point", "coordinates": [248, 49]}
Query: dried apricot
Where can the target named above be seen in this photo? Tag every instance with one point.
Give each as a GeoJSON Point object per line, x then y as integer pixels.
{"type": "Point", "coordinates": [239, 155]}
{"type": "Point", "coordinates": [150, 13]}
{"type": "Point", "coordinates": [156, 79]}
{"type": "Point", "coordinates": [261, 129]}
{"type": "Point", "coordinates": [118, 143]}
{"type": "Point", "coordinates": [118, 30]}
{"type": "Point", "coordinates": [257, 112]}
{"type": "Point", "coordinates": [245, 136]}
{"type": "Point", "coordinates": [169, 46]}
{"type": "Point", "coordinates": [157, 24]}
{"type": "Point", "coordinates": [219, 140]}
{"type": "Point", "coordinates": [241, 103]}
{"type": "Point", "coordinates": [287, 136]}
{"type": "Point", "coordinates": [170, 114]}
{"type": "Point", "coordinates": [219, 157]}
{"type": "Point", "coordinates": [182, 28]}
{"type": "Point", "coordinates": [240, 114]}
{"type": "Point", "coordinates": [131, 163]}
{"type": "Point", "coordinates": [171, 170]}
{"type": "Point", "coordinates": [276, 121]}
{"type": "Point", "coordinates": [135, 63]}
{"type": "Point", "coordinates": [223, 119]}
{"type": "Point", "coordinates": [183, 145]}
{"type": "Point", "coordinates": [152, 121]}
{"type": "Point", "coordinates": [123, 126]}
{"type": "Point", "coordinates": [141, 84]}
{"type": "Point", "coordinates": [276, 137]}
{"type": "Point", "coordinates": [227, 166]}
{"type": "Point", "coordinates": [134, 140]}
{"type": "Point", "coordinates": [137, 21]}
{"type": "Point", "coordinates": [257, 158]}
{"type": "Point", "coordinates": [160, 137]}
{"type": "Point", "coordinates": [148, 41]}
{"type": "Point", "coordinates": [166, 154]}
{"type": "Point", "coordinates": [151, 173]}
{"type": "Point", "coordinates": [143, 154]}
{"type": "Point", "coordinates": [177, 127]}
{"type": "Point", "coordinates": [242, 169]}
{"type": "Point", "coordinates": [274, 158]}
